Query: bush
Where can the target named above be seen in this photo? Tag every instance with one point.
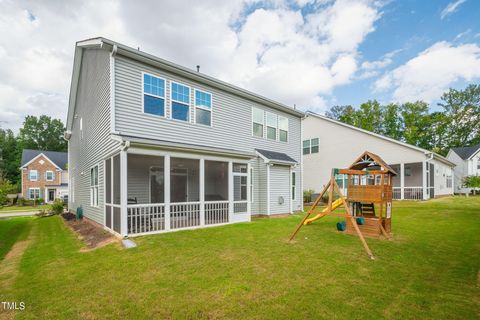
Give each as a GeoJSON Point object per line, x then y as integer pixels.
{"type": "Point", "coordinates": [40, 201]}
{"type": "Point", "coordinates": [307, 195]}
{"type": "Point", "coordinates": [22, 202]}
{"type": "Point", "coordinates": [57, 206]}
{"type": "Point", "coordinates": [472, 182]}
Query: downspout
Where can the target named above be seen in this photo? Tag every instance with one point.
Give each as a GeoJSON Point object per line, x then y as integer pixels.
{"type": "Point", "coordinates": [113, 54]}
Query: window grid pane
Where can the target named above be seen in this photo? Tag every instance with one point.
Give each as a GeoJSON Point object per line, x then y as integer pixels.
{"type": "Point", "coordinates": [180, 111]}
{"type": "Point", "coordinates": [203, 99]}
{"type": "Point", "coordinates": [153, 85]}
{"type": "Point", "coordinates": [180, 93]}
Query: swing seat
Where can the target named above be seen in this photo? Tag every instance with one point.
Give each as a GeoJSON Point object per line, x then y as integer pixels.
{"type": "Point", "coordinates": [341, 226]}
{"type": "Point", "coordinates": [360, 221]}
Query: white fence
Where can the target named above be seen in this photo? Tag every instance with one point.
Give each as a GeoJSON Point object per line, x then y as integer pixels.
{"type": "Point", "coordinates": [144, 218]}
{"type": "Point", "coordinates": [409, 193]}
{"type": "Point", "coordinates": [184, 215]}
{"type": "Point", "coordinates": [216, 212]}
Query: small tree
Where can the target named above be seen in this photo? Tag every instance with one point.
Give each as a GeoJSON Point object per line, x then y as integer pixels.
{"type": "Point", "coordinates": [307, 195]}
{"type": "Point", "coordinates": [6, 187]}
{"type": "Point", "coordinates": [472, 182]}
{"type": "Point", "coordinates": [57, 206]}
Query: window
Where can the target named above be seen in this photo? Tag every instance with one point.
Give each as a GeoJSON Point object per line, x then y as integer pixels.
{"type": "Point", "coordinates": [258, 122]}
{"type": "Point", "coordinates": [49, 175]}
{"type": "Point", "coordinates": [33, 175]}
{"type": "Point", "coordinates": [180, 102]}
{"type": "Point", "coordinates": [272, 126]}
{"type": "Point", "coordinates": [153, 95]}
{"type": "Point", "coordinates": [306, 146]}
{"type": "Point", "coordinates": [294, 185]}
{"type": "Point", "coordinates": [314, 145]}
{"type": "Point", "coordinates": [33, 193]}
{"type": "Point", "coordinates": [282, 129]}
{"type": "Point", "coordinates": [94, 186]}
{"type": "Point", "coordinates": [449, 181]}
{"type": "Point", "coordinates": [203, 108]}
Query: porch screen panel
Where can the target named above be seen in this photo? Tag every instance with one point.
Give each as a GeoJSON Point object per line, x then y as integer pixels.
{"type": "Point", "coordinates": [108, 181]}
{"type": "Point", "coordinates": [116, 179]}
{"type": "Point", "coordinates": [116, 219]}
{"type": "Point", "coordinates": [184, 180]}
{"type": "Point", "coordinates": [216, 181]}
{"type": "Point", "coordinates": [108, 216]}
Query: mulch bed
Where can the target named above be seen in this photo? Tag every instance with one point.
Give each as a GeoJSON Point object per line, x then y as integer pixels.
{"type": "Point", "coordinates": [93, 236]}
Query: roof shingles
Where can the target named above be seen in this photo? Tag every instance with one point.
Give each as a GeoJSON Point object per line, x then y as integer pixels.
{"type": "Point", "coordinates": [466, 152]}
{"type": "Point", "coordinates": [59, 158]}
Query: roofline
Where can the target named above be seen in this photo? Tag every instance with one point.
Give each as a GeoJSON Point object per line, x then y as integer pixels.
{"type": "Point", "coordinates": [273, 161]}
{"type": "Point", "coordinates": [38, 155]}
{"type": "Point", "coordinates": [474, 154]}
{"type": "Point", "coordinates": [425, 151]}
{"type": "Point", "coordinates": [135, 54]}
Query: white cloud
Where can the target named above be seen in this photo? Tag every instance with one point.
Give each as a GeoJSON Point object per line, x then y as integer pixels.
{"type": "Point", "coordinates": [451, 8]}
{"type": "Point", "coordinates": [429, 74]}
{"type": "Point", "coordinates": [271, 48]}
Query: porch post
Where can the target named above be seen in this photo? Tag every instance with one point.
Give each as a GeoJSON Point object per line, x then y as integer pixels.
{"type": "Point", "coordinates": [123, 193]}
{"type": "Point", "coordinates": [402, 181]}
{"type": "Point", "coordinates": [424, 179]}
{"type": "Point", "coordinates": [202, 191]}
{"type": "Point", "coordinates": [249, 190]}
{"type": "Point", "coordinates": [268, 188]}
{"type": "Point", "coordinates": [166, 196]}
{"type": "Point", "coordinates": [230, 191]}
{"type": "Point", "coordinates": [290, 189]}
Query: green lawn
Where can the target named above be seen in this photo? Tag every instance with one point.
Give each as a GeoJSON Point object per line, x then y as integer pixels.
{"type": "Point", "coordinates": [24, 208]}
{"type": "Point", "coordinates": [249, 271]}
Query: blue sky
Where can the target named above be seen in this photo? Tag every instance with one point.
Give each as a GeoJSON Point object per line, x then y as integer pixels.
{"type": "Point", "coordinates": [310, 53]}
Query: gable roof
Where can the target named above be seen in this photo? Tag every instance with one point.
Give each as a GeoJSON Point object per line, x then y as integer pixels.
{"type": "Point", "coordinates": [59, 159]}
{"type": "Point", "coordinates": [135, 54]}
{"type": "Point", "coordinates": [278, 157]}
{"type": "Point", "coordinates": [466, 152]}
{"type": "Point", "coordinates": [424, 151]}
{"type": "Point", "coordinates": [369, 159]}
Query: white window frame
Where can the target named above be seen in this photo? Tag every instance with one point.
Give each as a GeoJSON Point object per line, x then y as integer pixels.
{"type": "Point", "coordinates": [30, 175]}
{"type": "Point", "coordinates": [309, 147]}
{"type": "Point", "coordinates": [154, 95]}
{"type": "Point", "coordinates": [189, 120]}
{"type": "Point", "coordinates": [29, 193]}
{"type": "Point", "coordinates": [240, 174]}
{"type": "Point", "coordinates": [294, 186]}
{"type": "Point", "coordinates": [46, 175]}
{"type": "Point", "coordinates": [195, 90]}
{"type": "Point", "coordinates": [276, 125]}
{"type": "Point", "coordinates": [94, 187]}
{"type": "Point", "coordinates": [263, 123]}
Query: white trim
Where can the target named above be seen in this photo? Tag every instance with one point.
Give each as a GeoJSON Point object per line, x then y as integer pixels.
{"type": "Point", "coordinates": [36, 175]}
{"type": "Point", "coordinates": [189, 104]}
{"type": "Point", "coordinates": [38, 155]}
{"type": "Point", "coordinates": [263, 124]}
{"type": "Point", "coordinates": [267, 126]}
{"type": "Point", "coordinates": [288, 128]}
{"type": "Point", "coordinates": [46, 176]}
{"type": "Point", "coordinates": [112, 88]}
{"type": "Point", "coordinates": [301, 164]}
{"type": "Point", "coordinates": [123, 194]}
{"type": "Point", "coordinates": [201, 107]}
{"type": "Point", "coordinates": [186, 155]}
{"type": "Point", "coordinates": [402, 181]}
{"type": "Point", "coordinates": [424, 179]}
{"type": "Point", "coordinates": [439, 157]}
{"type": "Point", "coordinates": [166, 183]}
{"type": "Point", "coordinates": [155, 96]}
{"type": "Point", "coordinates": [92, 204]}
{"type": "Point", "coordinates": [249, 188]}
{"type": "Point", "coordinates": [268, 189]}
{"type": "Point", "coordinates": [33, 188]}
{"type": "Point", "coordinates": [230, 191]}
{"type": "Point", "coordinates": [473, 154]}
{"type": "Point", "coordinates": [202, 191]}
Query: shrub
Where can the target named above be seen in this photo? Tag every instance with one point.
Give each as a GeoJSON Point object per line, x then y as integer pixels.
{"type": "Point", "coordinates": [307, 195]}
{"type": "Point", "coordinates": [6, 187]}
{"type": "Point", "coordinates": [40, 201]}
{"type": "Point", "coordinates": [472, 182]}
{"type": "Point", "coordinates": [22, 202]}
{"type": "Point", "coordinates": [57, 206]}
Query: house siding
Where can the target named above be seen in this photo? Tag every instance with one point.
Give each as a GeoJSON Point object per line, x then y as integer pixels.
{"type": "Point", "coordinates": [279, 187]}
{"type": "Point", "coordinates": [93, 106]}
{"type": "Point", "coordinates": [231, 122]}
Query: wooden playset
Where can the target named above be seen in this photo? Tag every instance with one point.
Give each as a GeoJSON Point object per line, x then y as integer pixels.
{"type": "Point", "coordinates": [368, 200]}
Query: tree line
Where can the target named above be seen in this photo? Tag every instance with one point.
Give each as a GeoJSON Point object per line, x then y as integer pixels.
{"type": "Point", "coordinates": [39, 133]}
{"type": "Point", "coordinates": [457, 124]}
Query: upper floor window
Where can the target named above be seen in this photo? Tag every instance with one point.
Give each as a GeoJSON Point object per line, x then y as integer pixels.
{"type": "Point", "coordinates": [203, 108]}
{"type": "Point", "coordinates": [306, 146]}
{"type": "Point", "coordinates": [282, 129]}
{"type": "Point", "coordinates": [94, 186]}
{"type": "Point", "coordinates": [314, 145]}
{"type": "Point", "coordinates": [33, 175]}
{"type": "Point", "coordinates": [49, 175]}
{"type": "Point", "coordinates": [180, 102]}
{"type": "Point", "coordinates": [272, 120]}
{"type": "Point", "coordinates": [310, 146]}
{"type": "Point", "coordinates": [258, 122]}
{"type": "Point", "coordinates": [153, 95]}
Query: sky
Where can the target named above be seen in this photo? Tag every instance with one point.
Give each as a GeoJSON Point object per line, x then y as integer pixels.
{"type": "Point", "coordinates": [312, 54]}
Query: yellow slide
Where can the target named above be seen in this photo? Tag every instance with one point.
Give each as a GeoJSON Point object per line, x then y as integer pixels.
{"type": "Point", "coordinates": [335, 205]}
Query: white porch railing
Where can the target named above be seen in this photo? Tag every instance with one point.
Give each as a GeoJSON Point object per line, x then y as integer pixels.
{"type": "Point", "coordinates": [240, 207]}
{"type": "Point", "coordinates": [216, 212]}
{"type": "Point", "coordinates": [142, 218]}
{"type": "Point", "coordinates": [184, 215]}
{"type": "Point", "coordinates": [409, 193]}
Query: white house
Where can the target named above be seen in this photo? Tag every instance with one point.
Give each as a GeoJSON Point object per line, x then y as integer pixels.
{"type": "Point", "coordinates": [328, 144]}
{"type": "Point", "coordinates": [467, 161]}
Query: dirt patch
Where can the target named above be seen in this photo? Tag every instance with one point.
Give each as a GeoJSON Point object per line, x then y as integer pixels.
{"type": "Point", "coordinates": [93, 236]}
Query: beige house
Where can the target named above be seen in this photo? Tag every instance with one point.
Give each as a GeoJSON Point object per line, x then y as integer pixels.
{"type": "Point", "coordinates": [328, 144]}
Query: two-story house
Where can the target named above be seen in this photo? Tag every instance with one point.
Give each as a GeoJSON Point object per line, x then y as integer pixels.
{"type": "Point", "coordinates": [44, 175]}
{"type": "Point", "coordinates": [156, 147]}
{"type": "Point", "coordinates": [467, 160]}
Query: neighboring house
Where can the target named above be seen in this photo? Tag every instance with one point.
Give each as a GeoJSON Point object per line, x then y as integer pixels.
{"type": "Point", "coordinates": [44, 175]}
{"type": "Point", "coordinates": [329, 144]}
{"type": "Point", "coordinates": [467, 160]}
{"type": "Point", "coordinates": [156, 147]}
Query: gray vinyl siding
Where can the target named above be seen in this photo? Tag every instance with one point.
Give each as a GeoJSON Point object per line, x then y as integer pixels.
{"type": "Point", "coordinates": [93, 106]}
{"type": "Point", "coordinates": [231, 122]}
{"type": "Point", "coordinates": [279, 187]}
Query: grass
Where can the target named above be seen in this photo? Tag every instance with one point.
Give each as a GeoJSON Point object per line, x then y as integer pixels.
{"type": "Point", "coordinates": [249, 271]}
{"type": "Point", "coordinates": [23, 208]}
